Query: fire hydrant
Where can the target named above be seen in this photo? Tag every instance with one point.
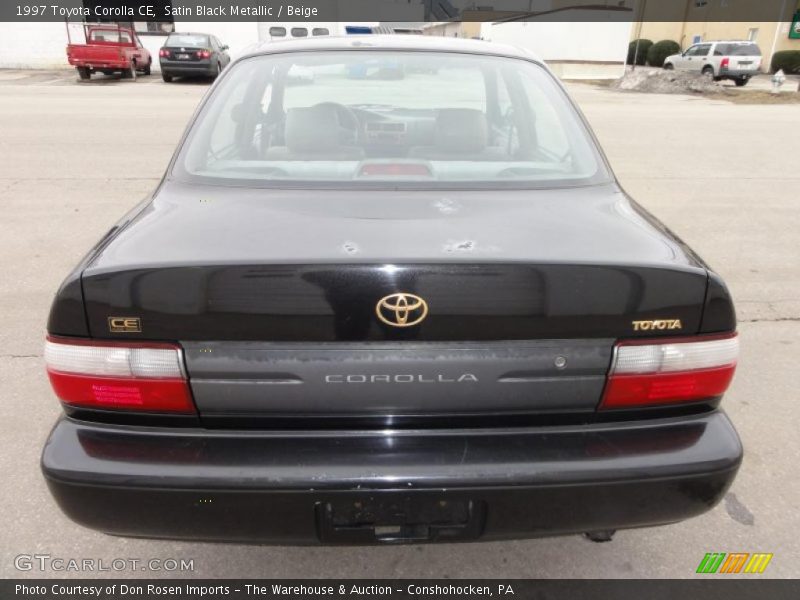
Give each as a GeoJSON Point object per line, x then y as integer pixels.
{"type": "Point", "coordinates": [778, 80]}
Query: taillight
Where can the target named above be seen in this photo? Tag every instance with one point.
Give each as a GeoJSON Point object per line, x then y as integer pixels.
{"type": "Point", "coordinates": [648, 372]}
{"type": "Point", "coordinates": [203, 54]}
{"type": "Point", "coordinates": [163, 53]}
{"type": "Point", "coordinates": [725, 62]}
{"type": "Point", "coordinates": [143, 376]}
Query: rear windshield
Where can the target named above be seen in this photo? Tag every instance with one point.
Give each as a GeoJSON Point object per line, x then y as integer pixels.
{"type": "Point", "coordinates": [737, 50]}
{"type": "Point", "coordinates": [407, 118]}
{"type": "Point", "coordinates": [183, 39]}
{"type": "Point", "coordinates": [110, 35]}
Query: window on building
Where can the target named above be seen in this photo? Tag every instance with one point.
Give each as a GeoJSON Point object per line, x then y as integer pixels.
{"type": "Point", "coordinates": [277, 31]}
{"type": "Point", "coordinates": [752, 34]}
{"type": "Point", "coordinates": [700, 3]}
{"type": "Point", "coordinates": [156, 27]}
{"type": "Point", "coordinates": [161, 24]}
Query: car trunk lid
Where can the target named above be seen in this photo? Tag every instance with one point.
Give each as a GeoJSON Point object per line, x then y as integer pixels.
{"type": "Point", "coordinates": [276, 297]}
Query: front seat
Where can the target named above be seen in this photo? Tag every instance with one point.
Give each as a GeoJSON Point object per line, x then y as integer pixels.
{"type": "Point", "coordinates": [460, 134]}
{"type": "Point", "coordinates": [314, 133]}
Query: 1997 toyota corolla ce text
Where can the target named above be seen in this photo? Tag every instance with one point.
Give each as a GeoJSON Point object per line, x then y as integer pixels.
{"type": "Point", "coordinates": [401, 300]}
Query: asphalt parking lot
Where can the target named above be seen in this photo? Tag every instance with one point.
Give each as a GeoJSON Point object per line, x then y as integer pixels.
{"type": "Point", "coordinates": [725, 177]}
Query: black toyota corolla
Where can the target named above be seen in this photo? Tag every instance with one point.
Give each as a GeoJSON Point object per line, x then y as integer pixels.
{"type": "Point", "coordinates": [389, 291]}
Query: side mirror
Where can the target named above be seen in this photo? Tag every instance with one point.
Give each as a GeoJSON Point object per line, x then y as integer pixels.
{"type": "Point", "coordinates": [224, 47]}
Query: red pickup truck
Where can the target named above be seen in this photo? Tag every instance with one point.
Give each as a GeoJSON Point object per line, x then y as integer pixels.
{"type": "Point", "coordinates": [110, 49]}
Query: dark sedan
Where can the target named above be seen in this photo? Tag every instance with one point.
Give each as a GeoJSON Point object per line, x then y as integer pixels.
{"type": "Point", "coordinates": [393, 310]}
{"type": "Point", "coordinates": [192, 55]}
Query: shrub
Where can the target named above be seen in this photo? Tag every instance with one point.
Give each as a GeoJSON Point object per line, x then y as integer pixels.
{"type": "Point", "coordinates": [641, 55]}
{"type": "Point", "coordinates": [660, 51]}
{"type": "Point", "coordinates": [788, 60]}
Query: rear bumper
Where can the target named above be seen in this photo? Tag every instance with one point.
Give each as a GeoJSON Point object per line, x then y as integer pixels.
{"type": "Point", "coordinates": [100, 65]}
{"type": "Point", "coordinates": [735, 73]}
{"type": "Point", "coordinates": [353, 487]}
{"type": "Point", "coordinates": [184, 67]}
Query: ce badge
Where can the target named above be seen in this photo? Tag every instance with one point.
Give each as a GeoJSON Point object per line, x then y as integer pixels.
{"type": "Point", "coordinates": [401, 309]}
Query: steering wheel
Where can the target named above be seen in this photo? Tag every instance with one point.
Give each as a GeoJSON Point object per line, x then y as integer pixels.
{"type": "Point", "coordinates": [347, 120]}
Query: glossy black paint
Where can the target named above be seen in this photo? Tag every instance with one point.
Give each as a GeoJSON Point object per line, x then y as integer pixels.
{"type": "Point", "coordinates": [719, 314]}
{"type": "Point", "coordinates": [210, 263]}
{"type": "Point", "coordinates": [322, 304]}
{"type": "Point", "coordinates": [67, 313]}
{"type": "Point", "coordinates": [198, 484]}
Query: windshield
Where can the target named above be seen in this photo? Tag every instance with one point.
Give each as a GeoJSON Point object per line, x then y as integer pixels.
{"type": "Point", "coordinates": [193, 41]}
{"type": "Point", "coordinates": [409, 118]}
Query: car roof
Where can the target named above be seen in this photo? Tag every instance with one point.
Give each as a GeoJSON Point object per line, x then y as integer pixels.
{"type": "Point", "coordinates": [390, 42]}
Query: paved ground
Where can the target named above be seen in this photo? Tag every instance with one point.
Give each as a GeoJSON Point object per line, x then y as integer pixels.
{"type": "Point", "coordinates": [75, 157]}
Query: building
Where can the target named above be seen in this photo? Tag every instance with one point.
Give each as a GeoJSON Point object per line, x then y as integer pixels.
{"type": "Point", "coordinates": [577, 43]}
{"type": "Point", "coordinates": [694, 21]}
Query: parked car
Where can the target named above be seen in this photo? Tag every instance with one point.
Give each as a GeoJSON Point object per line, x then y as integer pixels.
{"type": "Point", "coordinates": [110, 49]}
{"type": "Point", "coordinates": [735, 60]}
{"type": "Point", "coordinates": [406, 310]}
{"type": "Point", "coordinates": [192, 55]}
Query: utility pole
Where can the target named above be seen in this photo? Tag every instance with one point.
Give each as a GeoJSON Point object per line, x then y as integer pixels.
{"type": "Point", "coordinates": [639, 35]}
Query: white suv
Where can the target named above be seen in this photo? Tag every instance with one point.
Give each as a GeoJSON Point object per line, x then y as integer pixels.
{"type": "Point", "coordinates": [736, 60]}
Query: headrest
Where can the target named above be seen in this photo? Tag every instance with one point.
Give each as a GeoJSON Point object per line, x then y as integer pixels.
{"type": "Point", "coordinates": [312, 129]}
{"type": "Point", "coordinates": [461, 130]}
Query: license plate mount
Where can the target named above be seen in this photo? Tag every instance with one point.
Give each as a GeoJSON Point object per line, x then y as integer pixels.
{"type": "Point", "coordinates": [399, 519]}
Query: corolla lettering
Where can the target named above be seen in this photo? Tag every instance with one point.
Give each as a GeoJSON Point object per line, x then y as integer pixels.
{"type": "Point", "coordinates": [400, 378]}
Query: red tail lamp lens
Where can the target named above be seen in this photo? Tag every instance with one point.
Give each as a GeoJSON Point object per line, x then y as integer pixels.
{"type": "Point", "coordinates": [106, 375]}
{"type": "Point", "coordinates": [678, 370]}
